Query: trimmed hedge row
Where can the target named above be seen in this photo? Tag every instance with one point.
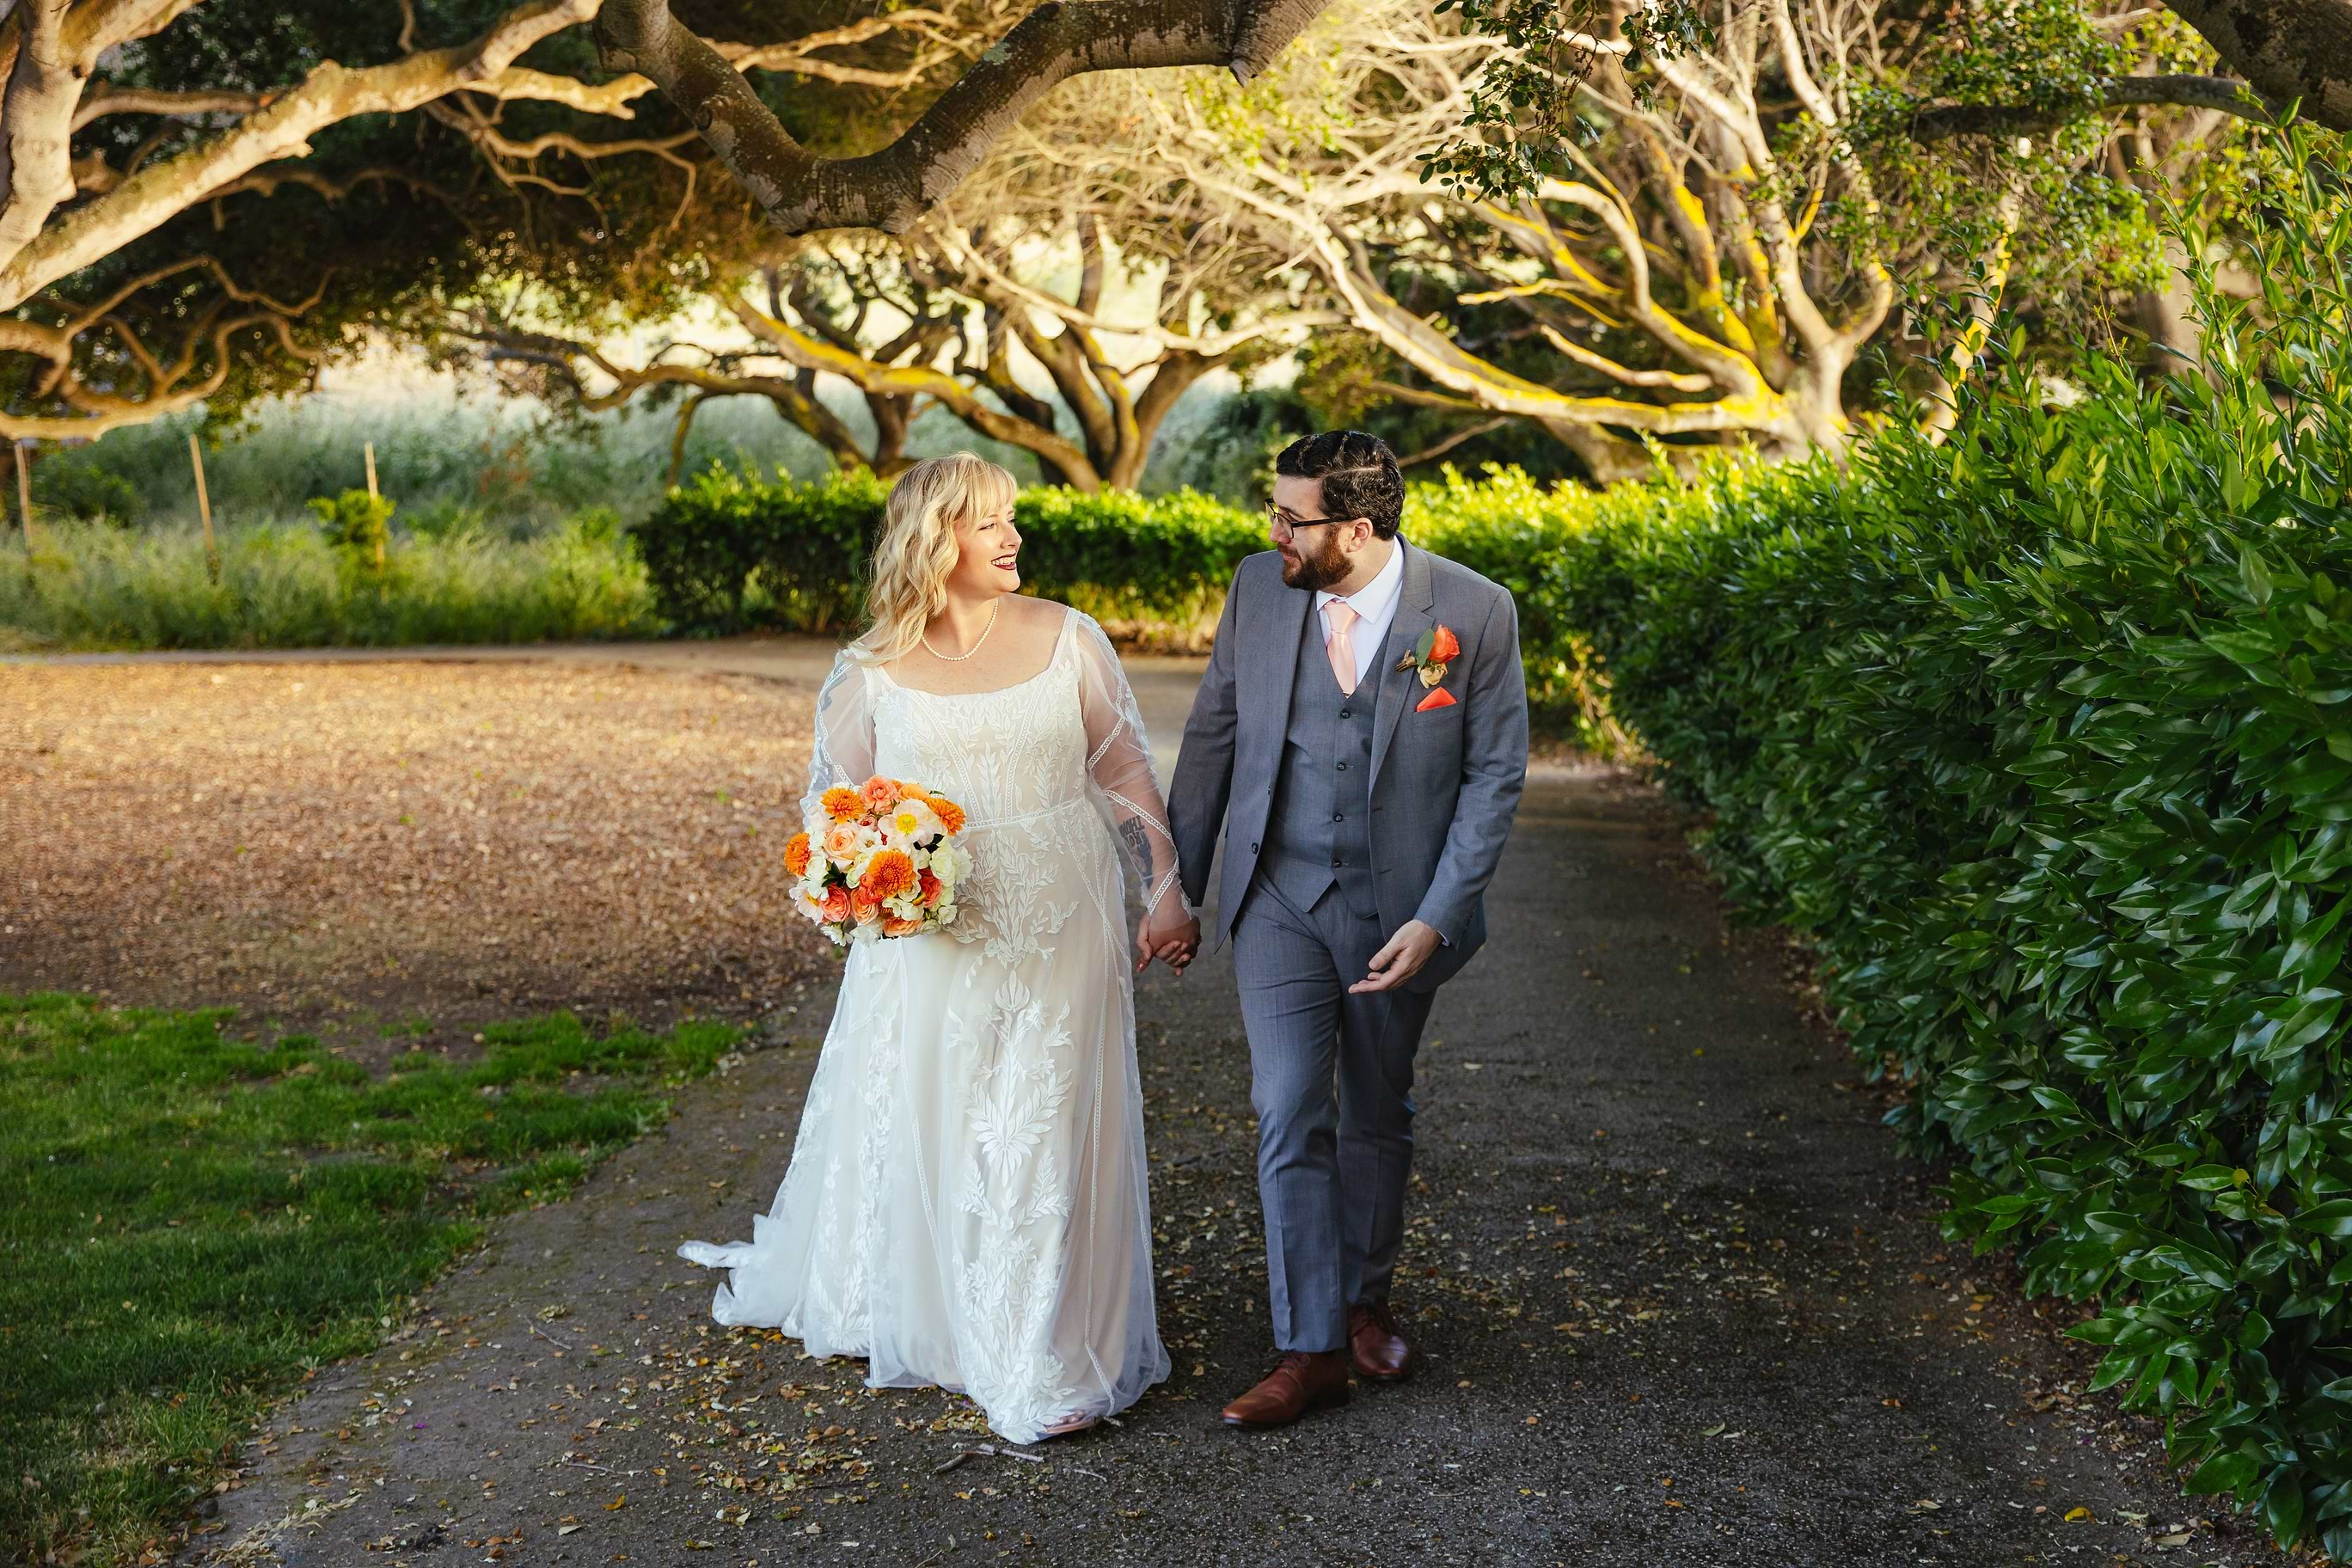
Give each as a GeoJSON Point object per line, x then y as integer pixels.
{"type": "Point", "coordinates": [2045, 738]}
{"type": "Point", "coordinates": [730, 551]}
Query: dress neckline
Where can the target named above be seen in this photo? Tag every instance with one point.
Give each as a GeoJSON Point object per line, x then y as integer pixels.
{"type": "Point", "coordinates": [1052, 659]}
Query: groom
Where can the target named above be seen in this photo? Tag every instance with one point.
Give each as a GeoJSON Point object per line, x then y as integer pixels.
{"type": "Point", "coordinates": [1361, 739]}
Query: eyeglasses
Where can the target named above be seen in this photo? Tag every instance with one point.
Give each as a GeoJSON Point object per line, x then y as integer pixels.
{"type": "Point", "coordinates": [1285, 524]}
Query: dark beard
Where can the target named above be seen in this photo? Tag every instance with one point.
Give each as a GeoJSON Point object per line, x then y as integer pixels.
{"type": "Point", "coordinates": [1316, 572]}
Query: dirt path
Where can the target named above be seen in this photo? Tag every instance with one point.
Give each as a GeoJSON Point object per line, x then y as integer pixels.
{"type": "Point", "coordinates": [406, 845]}
{"type": "Point", "coordinates": [1679, 1303]}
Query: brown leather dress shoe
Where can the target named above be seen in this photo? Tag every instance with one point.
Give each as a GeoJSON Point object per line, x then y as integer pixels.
{"type": "Point", "coordinates": [1300, 1382]}
{"type": "Point", "coordinates": [1376, 1345]}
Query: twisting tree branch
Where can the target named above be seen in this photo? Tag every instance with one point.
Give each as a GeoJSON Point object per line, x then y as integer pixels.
{"type": "Point", "coordinates": [891, 189]}
{"type": "Point", "coordinates": [2299, 49]}
{"type": "Point", "coordinates": [1944, 120]}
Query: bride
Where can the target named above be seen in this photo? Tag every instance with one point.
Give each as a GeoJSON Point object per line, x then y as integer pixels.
{"type": "Point", "coordinates": [966, 1201]}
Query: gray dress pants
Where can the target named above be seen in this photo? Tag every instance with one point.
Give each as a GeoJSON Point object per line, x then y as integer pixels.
{"type": "Point", "coordinates": [1331, 1080]}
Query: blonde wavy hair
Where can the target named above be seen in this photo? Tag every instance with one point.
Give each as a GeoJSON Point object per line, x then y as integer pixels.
{"type": "Point", "coordinates": [908, 584]}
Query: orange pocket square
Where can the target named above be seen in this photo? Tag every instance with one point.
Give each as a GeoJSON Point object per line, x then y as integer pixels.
{"type": "Point", "coordinates": [1438, 698]}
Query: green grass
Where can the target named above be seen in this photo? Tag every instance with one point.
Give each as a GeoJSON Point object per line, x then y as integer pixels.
{"type": "Point", "coordinates": [92, 585]}
{"type": "Point", "coordinates": [189, 1220]}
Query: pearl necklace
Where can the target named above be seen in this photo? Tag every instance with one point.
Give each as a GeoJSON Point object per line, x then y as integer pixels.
{"type": "Point", "coordinates": [960, 657]}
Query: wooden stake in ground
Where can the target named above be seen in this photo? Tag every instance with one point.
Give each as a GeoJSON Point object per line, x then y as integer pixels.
{"type": "Point", "coordinates": [24, 497]}
{"type": "Point", "coordinates": [204, 508]}
{"type": "Point", "coordinates": [368, 448]}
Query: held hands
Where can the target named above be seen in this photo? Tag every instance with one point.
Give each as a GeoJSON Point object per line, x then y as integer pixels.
{"type": "Point", "coordinates": [1399, 958]}
{"type": "Point", "coordinates": [1171, 941]}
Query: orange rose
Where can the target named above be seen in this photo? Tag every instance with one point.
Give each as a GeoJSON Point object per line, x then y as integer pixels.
{"type": "Point", "coordinates": [836, 905]}
{"type": "Point", "coordinates": [864, 909]}
{"type": "Point", "coordinates": [892, 926]}
{"type": "Point", "coordinates": [879, 794]}
{"type": "Point", "coordinates": [887, 875]}
{"type": "Point", "coordinates": [950, 813]}
{"type": "Point", "coordinates": [912, 791]}
{"type": "Point", "coordinates": [796, 854]}
{"type": "Point", "coordinates": [843, 803]}
{"type": "Point", "coordinates": [1443, 646]}
{"type": "Point", "coordinates": [927, 889]}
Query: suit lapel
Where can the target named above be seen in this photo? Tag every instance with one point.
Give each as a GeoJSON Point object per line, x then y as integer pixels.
{"type": "Point", "coordinates": [1416, 601]}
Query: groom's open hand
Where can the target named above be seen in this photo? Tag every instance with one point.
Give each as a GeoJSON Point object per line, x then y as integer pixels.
{"type": "Point", "coordinates": [1401, 957]}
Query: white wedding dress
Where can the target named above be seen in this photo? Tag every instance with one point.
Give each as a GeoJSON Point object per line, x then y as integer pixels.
{"type": "Point", "coordinates": [966, 1202]}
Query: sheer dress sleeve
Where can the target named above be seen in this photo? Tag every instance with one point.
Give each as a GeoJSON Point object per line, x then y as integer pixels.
{"type": "Point", "coordinates": [1118, 763]}
{"type": "Point", "coordinates": [843, 753]}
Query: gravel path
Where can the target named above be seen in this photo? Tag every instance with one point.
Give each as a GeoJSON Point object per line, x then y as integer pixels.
{"type": "Point", "coordinates": [1679, 1303]}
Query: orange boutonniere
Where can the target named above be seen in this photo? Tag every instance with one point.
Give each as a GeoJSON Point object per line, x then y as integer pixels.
{"type": "Point", "coordinates": [1437, 648]}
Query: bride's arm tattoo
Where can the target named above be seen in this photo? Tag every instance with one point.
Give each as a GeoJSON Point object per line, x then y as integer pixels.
{"type": "Point", "coordinates": [1139, 842]}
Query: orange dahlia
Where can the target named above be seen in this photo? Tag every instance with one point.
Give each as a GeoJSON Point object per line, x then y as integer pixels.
{"type": "Point", "coordinates": [889, 873]}
{"type": "Point", "coordinates": [950, 813]}
{"type": "Point", "coordinates": [842, 803]}
{"type": "Point", "coordinates": [796, 854]}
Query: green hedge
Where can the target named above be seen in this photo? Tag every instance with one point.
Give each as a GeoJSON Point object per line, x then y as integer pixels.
{"type": "Point", "coordinates": [2045, 737]}
{"type": "Point", "coordinates": [730, 551]}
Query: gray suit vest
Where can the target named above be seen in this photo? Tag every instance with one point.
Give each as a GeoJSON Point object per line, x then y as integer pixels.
{"type": "Point", "coordinates": [1319, 831]}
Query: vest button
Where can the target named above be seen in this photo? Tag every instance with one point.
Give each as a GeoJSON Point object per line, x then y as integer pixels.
{"type": "Point", "coordinates": [1337, 861]}
{"type": "Point", "coordinates": [1343, 767]}
{"type": "Point", "coordinates": [1253, 848]}
{"type": "Point", "coordinates": [1338, 817]}
{"type": "Point", "coordinates": [1343, 712]}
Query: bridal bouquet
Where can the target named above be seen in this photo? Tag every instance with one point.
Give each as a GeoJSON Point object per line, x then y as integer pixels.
{"type": "Point", "coordinates": [879, 861]}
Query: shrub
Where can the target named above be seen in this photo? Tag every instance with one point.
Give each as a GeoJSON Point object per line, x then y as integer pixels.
{"type": "Point", "coordinates": [2045, 737]}
{"type": "Point", "coordinates": [357, 523]}
{"type": "Point", "coordinates": [86, 491]}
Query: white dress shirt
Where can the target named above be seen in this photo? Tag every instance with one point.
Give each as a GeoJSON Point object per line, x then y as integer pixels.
{"type": "Point", "coordinates": [1375, 605]}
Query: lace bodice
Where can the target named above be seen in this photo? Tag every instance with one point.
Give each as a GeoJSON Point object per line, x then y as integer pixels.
{"type": "Point", "coordinates": [1068, 736]}
{"type": "Point", "coordinates": [1012, 753]}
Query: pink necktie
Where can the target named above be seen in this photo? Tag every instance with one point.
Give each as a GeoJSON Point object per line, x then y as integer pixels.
{"type": "Point", "coordinates": [1339, 646]}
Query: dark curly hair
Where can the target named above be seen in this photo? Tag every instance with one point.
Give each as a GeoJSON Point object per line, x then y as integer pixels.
{"type": "Point", "coordinates": [1360, 475]}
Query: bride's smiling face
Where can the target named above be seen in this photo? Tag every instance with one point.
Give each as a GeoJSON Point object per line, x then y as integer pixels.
{"type": "Point", "coordinates": [988, 553]}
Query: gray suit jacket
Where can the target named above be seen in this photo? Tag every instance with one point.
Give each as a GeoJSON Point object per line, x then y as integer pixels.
{"type": "Point", "coordinates": [1445, 783]}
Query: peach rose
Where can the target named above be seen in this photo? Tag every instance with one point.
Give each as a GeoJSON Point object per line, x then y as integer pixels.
{"type": "Point", "coordinates": [836, 905]}
{"type": "Point", "coordinates": [928, 889]}
{"type": "Point", "coordinates": [841, 841]}
{"type": "Point", "coordinates": [879, 794]}
{"type": "Point", "coordinates": [863, 908]}
{"type": "Point", "coordinates": [896, 927]}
